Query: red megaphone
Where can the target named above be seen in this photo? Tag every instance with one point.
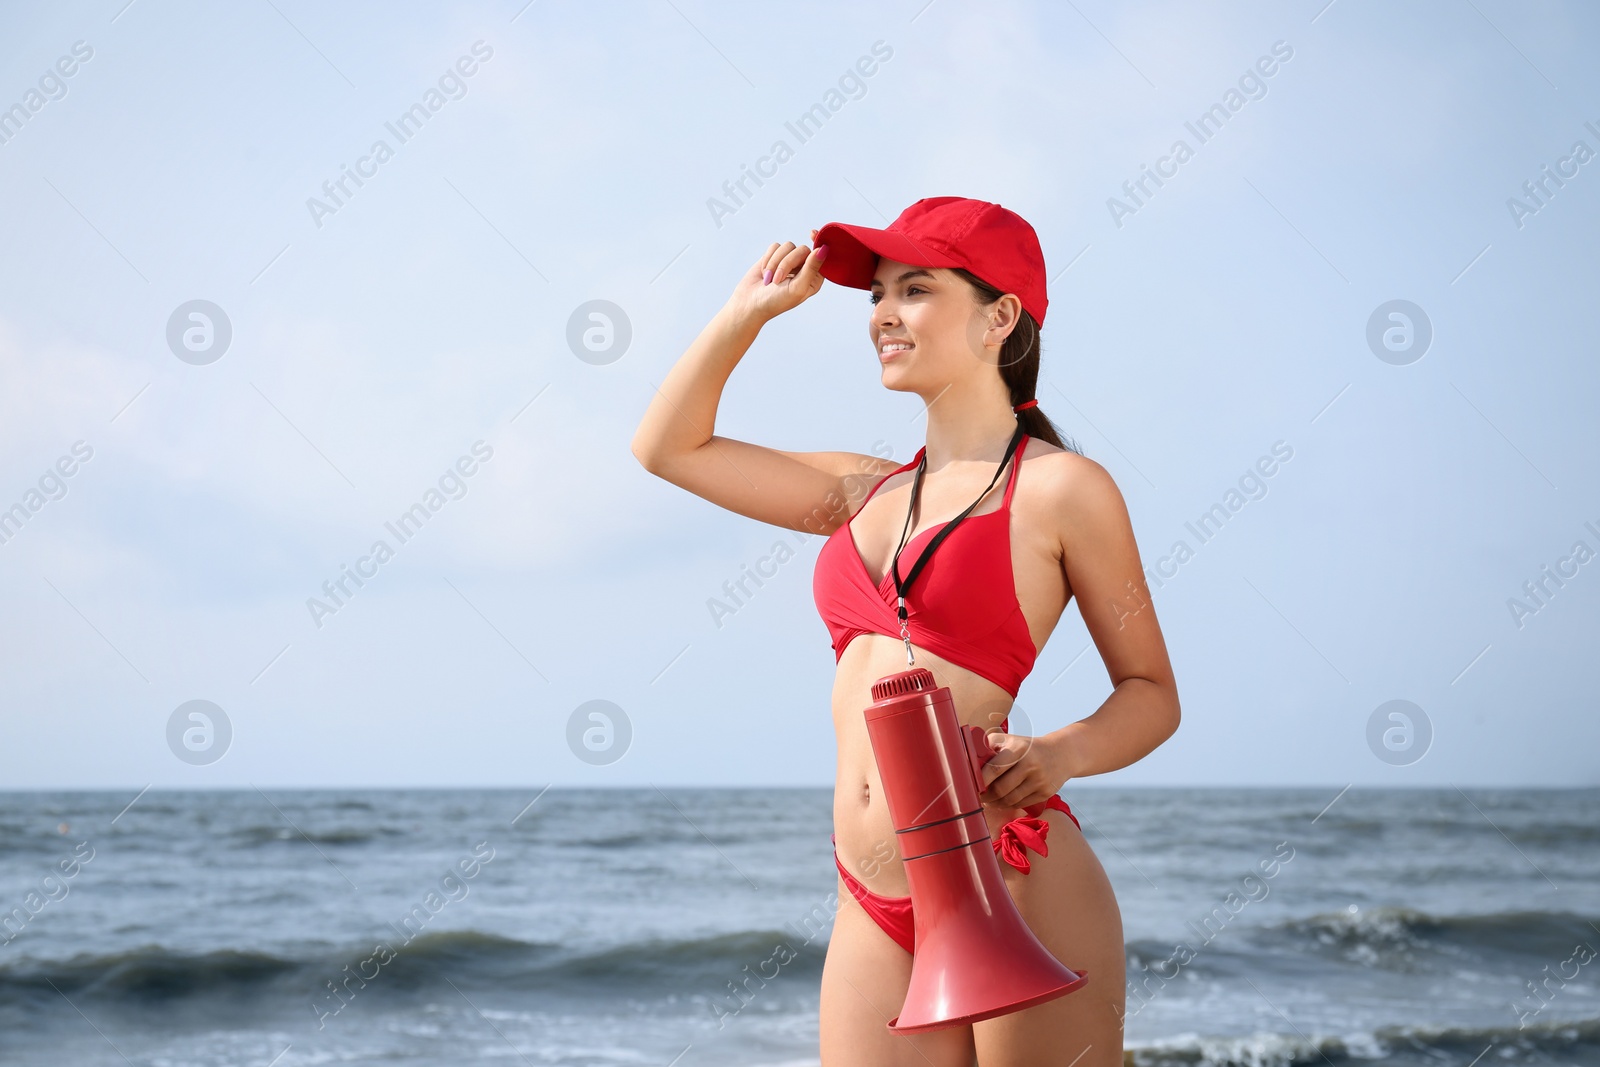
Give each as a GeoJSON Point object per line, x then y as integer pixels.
{"type": "Point", "coordinates": [974, 956]}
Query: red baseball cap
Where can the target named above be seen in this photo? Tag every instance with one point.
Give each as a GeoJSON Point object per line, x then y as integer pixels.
{"type": "Point", "coordinates": [996, 245]}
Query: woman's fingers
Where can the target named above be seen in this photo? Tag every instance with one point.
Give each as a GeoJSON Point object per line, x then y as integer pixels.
{"type": "Point", "coordinates": [1009, 772]}
{"type": "Point", "coordinates": [775, 258]}
{"type": "Point", "coordinates": [789, 275]}
{"type": "Point", "coordinates": [1012, 789]}
{"type": "Point", "coordinates": [791, 262]}
{"type": "Point", "coordinates": [805, 265]}
{"type": "Point", "coordinates": [760, 265]}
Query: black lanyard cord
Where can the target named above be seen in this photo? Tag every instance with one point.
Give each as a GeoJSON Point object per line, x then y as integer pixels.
{"type": "Point", "coordinates": [901, 587]}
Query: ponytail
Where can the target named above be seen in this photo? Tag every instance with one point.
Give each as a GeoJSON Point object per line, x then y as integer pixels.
{"type": "Point", "coordinates": [1019, 367]}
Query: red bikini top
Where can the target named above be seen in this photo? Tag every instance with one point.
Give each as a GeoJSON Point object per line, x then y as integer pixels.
{"type": "Point", "coordinates": [964, 605]}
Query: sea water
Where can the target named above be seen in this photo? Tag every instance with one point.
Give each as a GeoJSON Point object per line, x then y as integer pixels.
{"type": "Point", "coordinates": [1264, 927]}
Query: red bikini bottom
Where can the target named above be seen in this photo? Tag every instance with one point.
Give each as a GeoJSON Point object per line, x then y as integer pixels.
{"type": "Point", "coordinates": [893, 914]}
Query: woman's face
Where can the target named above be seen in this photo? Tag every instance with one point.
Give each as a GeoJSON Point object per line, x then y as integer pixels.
{"type": "Point", "coordinates": [932, 310]}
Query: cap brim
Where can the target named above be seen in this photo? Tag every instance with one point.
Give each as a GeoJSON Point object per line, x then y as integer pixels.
{"type": "Point", "coordinates": [853, 253]}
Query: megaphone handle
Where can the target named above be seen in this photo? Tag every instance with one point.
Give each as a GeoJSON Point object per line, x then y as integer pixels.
{"type": "Point", "coordinates": [981, 752]}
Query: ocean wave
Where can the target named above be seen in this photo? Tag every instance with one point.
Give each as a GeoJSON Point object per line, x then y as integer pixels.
{"type": "Point", "coordinates": [1401, 938]}
{"type": "Point", "coordinates": [1251, 1050]}
{"type": "Point", "coordinates": [466, 957]}
{"type": "Point", "coordinates": [272, 834]}
{"type": "Point", "coordinates": [1539, 1042]}
{"type": "Point", "coordinates": [150, 972]}
{"type": "Point", "coordinates": [609, 842]}
{"type": "Point", "coordinates": [1162, 959]}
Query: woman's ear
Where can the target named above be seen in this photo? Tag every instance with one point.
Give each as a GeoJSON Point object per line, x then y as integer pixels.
{"type": "Point", "coordinates": [1004, 315]}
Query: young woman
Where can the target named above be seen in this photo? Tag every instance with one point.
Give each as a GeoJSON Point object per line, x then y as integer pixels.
{"type": "Point", "coordinates": [957, 299]}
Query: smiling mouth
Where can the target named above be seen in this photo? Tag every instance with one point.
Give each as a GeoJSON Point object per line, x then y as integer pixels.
{"type": "Point", "coordinates": [889, 352]}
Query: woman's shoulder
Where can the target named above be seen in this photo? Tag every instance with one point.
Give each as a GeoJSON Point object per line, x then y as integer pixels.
{"type": "Point", "coordinates": [1053, 461]}
{"type": "Point", "coordinates": [1060, 478]}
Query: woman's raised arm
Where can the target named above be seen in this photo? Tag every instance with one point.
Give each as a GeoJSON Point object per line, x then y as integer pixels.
{"type": "Point", "coordinates": [676, 439]}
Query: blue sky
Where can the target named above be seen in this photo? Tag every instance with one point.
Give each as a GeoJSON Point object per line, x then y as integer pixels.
{"type": "Point", "coordinates": [390, 334]}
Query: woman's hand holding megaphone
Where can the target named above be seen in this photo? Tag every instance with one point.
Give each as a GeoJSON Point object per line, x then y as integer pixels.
{"type": "Point", "coordinates": [1024, 771]}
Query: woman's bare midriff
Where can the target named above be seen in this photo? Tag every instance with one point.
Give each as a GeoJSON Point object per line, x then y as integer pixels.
{"type": "Point", "coordinates": [864, 832]}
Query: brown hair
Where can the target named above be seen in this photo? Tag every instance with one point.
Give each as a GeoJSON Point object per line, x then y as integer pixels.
{"type": "Point", "coordinates": [1019, 365]}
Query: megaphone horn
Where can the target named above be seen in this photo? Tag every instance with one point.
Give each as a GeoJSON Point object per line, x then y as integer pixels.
{"type": "Point", "coordinates": [974, 957]}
